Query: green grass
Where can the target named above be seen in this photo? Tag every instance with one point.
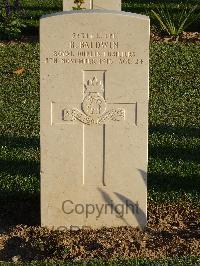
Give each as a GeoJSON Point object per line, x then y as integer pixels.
{"type": "Point", "coordinates": [145, 7]}
{"type": "Point", "coordinates": [19, 135]}
{"type": "Point", "coordinates": [189, 261]}
{"type": "Point", "coordinates": [19, 109]}
{"type": "Point", "coordinates": [174, 120]}
{"type": "Point", "coordinates": [32, 10]}
{"type": "Point", "coordinates": [174, 133]}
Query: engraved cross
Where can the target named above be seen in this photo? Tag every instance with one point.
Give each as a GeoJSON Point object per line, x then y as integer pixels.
{"type": "Point", "coordinates": [94, 115]}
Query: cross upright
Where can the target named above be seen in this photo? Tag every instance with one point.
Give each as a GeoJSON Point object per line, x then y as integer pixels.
{"type": "Point", "coordinates": [96, 114]}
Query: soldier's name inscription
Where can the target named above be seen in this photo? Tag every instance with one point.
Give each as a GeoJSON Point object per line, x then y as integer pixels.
{"type": "Point", "coordinates": [94, 49]}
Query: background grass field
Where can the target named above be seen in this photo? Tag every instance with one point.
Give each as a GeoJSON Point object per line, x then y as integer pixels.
{"type": "Point", "coordinates": [32, 10]}
{"type": "Point", "coordinates": [174, 130]}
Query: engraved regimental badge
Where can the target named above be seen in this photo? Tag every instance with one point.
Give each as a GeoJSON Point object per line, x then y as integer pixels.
{"type": "Point", "coordinates": [94, 107]}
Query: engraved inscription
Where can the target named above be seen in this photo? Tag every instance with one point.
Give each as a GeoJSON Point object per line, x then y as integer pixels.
{"type": "Point", "coordinates": [94, 48]}
{"type": "Point", "coordinates": [98, 45]}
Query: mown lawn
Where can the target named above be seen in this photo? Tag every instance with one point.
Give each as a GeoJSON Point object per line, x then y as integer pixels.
{"type": "Point", "coordinates": [189, 261]}
{"type": "Point", "coordinates": [174, 133]}
{"type": "Point", "coordinates": [32, 10]}
{"type": "Point", "coordinates": [174, 128]}
{"type": "Point", "coordinates": [174, 117]}
{"type": "Point", "coordinates": [174, 140]}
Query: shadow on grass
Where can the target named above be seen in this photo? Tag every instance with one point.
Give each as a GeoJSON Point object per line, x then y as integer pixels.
{"type": "Point", "coordinates": [16, 166]}
{"type": "Point", "coordinates": [24, 208]}
{"type": "Point", "coordinates": [20, 142]}
{"type": "Point", "coordinates": [20, 167]}
{"type": "Point", "coordinates": [163, 152]}
{"type": "Point", "coordinates": [164, 182]}
{"type": "Point", "coordinates": [19, 208]}
{"type": "Point", "coordinates": [180, 131]}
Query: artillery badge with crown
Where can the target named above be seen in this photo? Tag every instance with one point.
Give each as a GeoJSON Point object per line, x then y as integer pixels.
{"type": "Point", "coordinates": [93, 107]}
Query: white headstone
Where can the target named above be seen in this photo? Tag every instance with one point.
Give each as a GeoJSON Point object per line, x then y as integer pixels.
{"type": "Point", "coordinates": [94, 119]}
{"type": "Point", "coordinates": [94, 4]}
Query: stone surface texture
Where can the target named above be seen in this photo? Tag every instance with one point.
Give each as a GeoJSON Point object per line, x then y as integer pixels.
{"type": "Point", "coordinates": [95, 4]}
{"type": "Point", "coordinates": [94, 119]}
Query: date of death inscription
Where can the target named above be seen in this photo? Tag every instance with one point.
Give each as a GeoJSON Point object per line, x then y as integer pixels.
{"type": "Point", "coordinates": [94, 49]}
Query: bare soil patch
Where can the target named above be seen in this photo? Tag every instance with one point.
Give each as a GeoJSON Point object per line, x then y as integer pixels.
{"type": "Point", "coordinates": [173, 230]}
{"type": "Point", "coordinates": [185, 37]}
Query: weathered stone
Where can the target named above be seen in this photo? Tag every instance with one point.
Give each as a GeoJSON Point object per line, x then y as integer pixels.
{"type": "Point", "coordinates": [94, 119]}
{"type": "Point", "coordinates": [95, 4]}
